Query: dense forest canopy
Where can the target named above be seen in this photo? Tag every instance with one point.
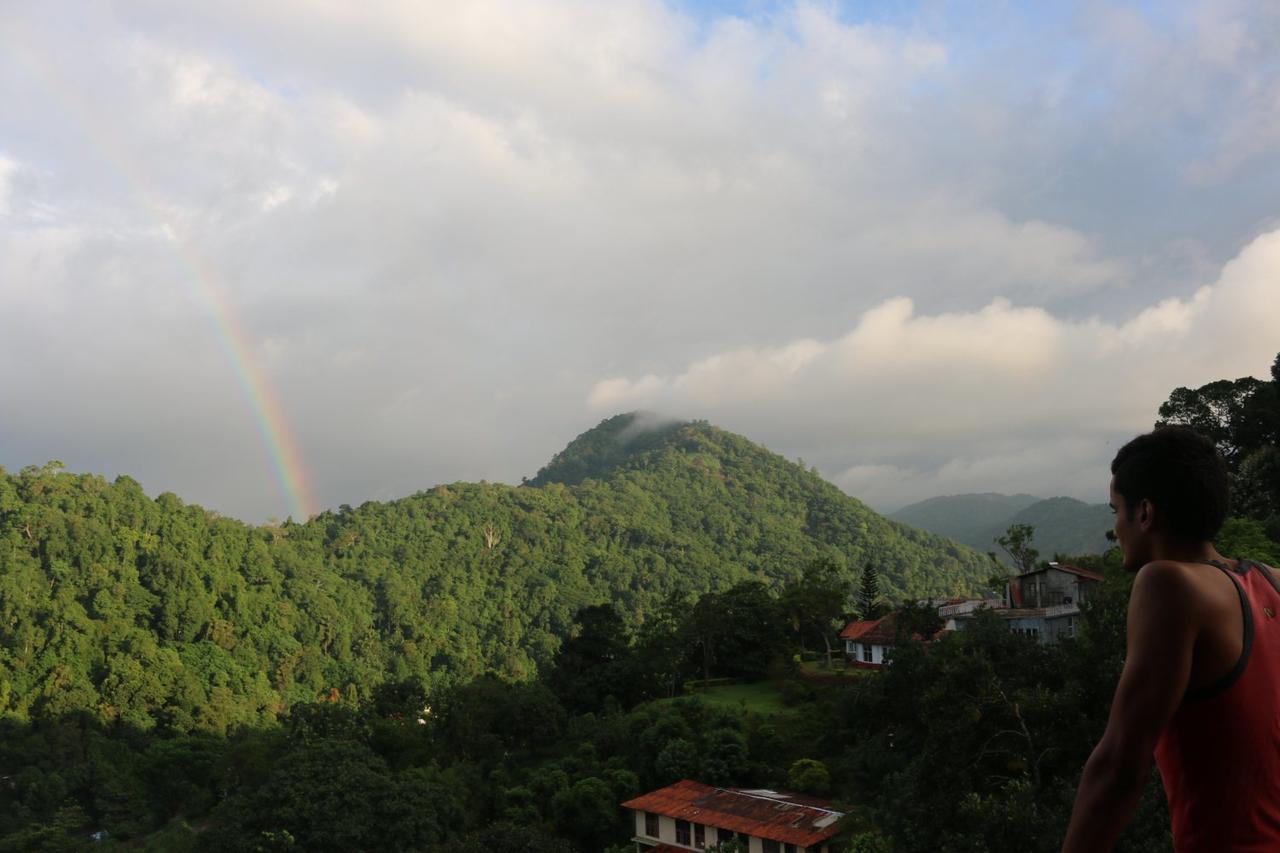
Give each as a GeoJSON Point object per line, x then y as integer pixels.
{"type": "Point", "coordinates": [159, 612]}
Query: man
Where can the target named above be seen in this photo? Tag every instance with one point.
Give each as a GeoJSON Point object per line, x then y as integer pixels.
{"type": "Point", "coordinates": [1201, 682]}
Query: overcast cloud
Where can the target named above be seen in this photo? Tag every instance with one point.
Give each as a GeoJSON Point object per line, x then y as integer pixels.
{"type": "Point", "coordinates": [932, 252]}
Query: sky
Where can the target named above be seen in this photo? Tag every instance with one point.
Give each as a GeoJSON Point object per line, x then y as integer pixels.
{"type": "Point", "coordinates": [278, 257]}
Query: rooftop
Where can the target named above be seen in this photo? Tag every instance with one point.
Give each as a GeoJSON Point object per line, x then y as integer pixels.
{"type": "Point", "coordinates": [878, 632]}
{"type": "Point", "coordinates": [1068, 568]}
{"type": "Point", "coordinates": [789, 818]}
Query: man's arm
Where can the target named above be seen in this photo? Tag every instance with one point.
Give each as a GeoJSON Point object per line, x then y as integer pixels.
{"type": "Point", "coordinates": [1162, 628]}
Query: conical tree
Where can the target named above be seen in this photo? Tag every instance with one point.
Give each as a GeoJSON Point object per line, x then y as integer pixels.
{"type": "Point", "coordinates": [869, 593]}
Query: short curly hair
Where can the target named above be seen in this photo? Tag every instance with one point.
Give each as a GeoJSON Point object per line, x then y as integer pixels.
{"type": "Point", "coordinates": [1182, 474]}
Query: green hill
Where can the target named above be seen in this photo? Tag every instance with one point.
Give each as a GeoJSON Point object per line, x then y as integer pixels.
{"type": "Point", "coordinates": [154, 611]}
{"type": "Point", "coordinates": [965, 518]}
{"type": "Point", "coordinates": [1063, 525]}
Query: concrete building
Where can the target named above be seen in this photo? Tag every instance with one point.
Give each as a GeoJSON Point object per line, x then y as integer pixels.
{"type": "Point", "coordinates": [1043, 604]}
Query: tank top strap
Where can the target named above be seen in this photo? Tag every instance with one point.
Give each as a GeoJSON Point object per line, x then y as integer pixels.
{"type": "Point", "coordinates": [1246, 608]}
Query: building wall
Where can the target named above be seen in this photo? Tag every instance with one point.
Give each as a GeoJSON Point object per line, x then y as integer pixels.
{"type": "Point", "coordinates": [1034, 626]}
{"type": "Point", "coordinates": [853, 651]}
{"type": "Point", "coordinates": [1063, 627]}
{"type": "Point", "coordinates": [1052, 587]}
{"type": "Point", "coordinates": [667, 834]}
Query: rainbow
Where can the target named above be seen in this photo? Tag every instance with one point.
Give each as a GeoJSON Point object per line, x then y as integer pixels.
{"type": "Point", "coordinates": [268, 413]}
{"type": "Point", "coordinates": [205, 286]}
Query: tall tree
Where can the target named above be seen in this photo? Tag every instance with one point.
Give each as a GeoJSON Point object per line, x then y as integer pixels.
{"type": "Point", "coordinates": [1220, 411]}
{"type": "Point", "coordinates": [594, 663]}
{"type": "Point", "coordinates": [1016, 542]}
{"type": "Point", "coordinates": [815, 603]}
{"type": "Point", "coordinates": [737, 632]}
{"type": "Point", "coordinates": [869, 604]}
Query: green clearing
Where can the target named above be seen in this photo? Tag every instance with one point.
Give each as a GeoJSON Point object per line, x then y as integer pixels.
{"type": "Point", "coordinates": [813, 667]}
{"type": "Point", "coordinates": [760, 697]}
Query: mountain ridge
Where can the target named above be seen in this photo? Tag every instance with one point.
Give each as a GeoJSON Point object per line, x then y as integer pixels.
{"type": "Point", "coordinates": [153, 611]}
{"type": "Point", "coordinates": [1063, 525]}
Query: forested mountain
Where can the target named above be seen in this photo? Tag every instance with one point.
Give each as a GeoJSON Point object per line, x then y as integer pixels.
{"type": "Point", "coordinates": [152, 611]}
{"type": "Point", "coordinates": [1062, 525]}
{"type": "Point", "coordinates": [964, 518]}
{"type": "Point", "coordinates": [1066, 526]}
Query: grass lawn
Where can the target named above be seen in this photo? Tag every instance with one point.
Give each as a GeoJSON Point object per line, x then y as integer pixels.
{"type": "Point", "coordinates": [813, 667]}
{"type": "Point", "coordinates": [760, 697]}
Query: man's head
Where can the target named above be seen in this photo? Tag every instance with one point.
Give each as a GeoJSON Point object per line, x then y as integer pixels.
{"type": "Point", "coordinates": [1169, 484]}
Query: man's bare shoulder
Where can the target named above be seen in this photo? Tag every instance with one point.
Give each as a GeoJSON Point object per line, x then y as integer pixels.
{"type": "Point", "coordinates": [1169, 576]}
{"type": "Point", "coordinates": [1182, 586]}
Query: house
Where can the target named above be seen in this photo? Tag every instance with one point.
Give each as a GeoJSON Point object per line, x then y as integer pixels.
{"type": "Point", "coordinates": [1051, 585]}
{"type": "Point", "coordinates": [1043, 604]}
{"type": "Point", "coordinates": [692, 816]}
{"type": "Point", "coordinates": [867, 641]}
{"type": "Point", "coordinates": [956, 610]}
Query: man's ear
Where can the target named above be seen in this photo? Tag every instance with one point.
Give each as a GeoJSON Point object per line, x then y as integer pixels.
{"type": "Point", "coordinates": [1146, 515]}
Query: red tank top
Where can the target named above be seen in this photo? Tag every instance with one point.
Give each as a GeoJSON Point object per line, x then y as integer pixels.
{"type": "Point", "coordinates": [1219, 757]}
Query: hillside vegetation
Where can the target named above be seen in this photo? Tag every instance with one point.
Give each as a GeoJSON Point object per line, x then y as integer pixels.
{"type": "Point", "coordinates": [152, 611]}
{"type": "Point", "coordinates": [1062, 525]}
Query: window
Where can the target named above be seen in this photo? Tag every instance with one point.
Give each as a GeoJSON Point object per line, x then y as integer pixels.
{"type": "Point", "coordinates": [788, 848]}
{"type": "Point", "coordinates": [770, 846]}
{"type": "Point", "coordinates": [866, 652]}
{"type": "Point", "coordinates": [651, 824]}
{"type": "Point", "coordinates": [682, 832]}
{"type": "Point", "coordinates": [699, 836]}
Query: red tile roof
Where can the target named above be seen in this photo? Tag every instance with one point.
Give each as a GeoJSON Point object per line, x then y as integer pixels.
{"type": "Point", "coordinates": [881, 632]}
{"type": "Point", "coordinates": [766, 814]}
{"type": "Point", "coordinates": [855, 630]}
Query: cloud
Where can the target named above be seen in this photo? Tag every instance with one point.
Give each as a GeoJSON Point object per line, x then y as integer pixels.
{"type": "Point", "coordinates": [907, 405]}
{"type": "Point", "coordinates": [438, 228]}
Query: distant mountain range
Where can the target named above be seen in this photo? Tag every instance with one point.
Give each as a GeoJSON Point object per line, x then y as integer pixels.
{"type": "Point", "coordinates": [1063, 525]}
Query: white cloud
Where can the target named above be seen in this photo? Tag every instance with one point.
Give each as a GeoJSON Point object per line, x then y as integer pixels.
{"type": "Point", "coordinates": [437, 225]}
{"type": "Point", "coordinates": [8, 168]}
{"type": "Point", "coordinates": [1001, 398]}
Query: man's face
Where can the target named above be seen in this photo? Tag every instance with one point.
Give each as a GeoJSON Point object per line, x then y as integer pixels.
{"type": "Point", "coordinates": [1130, 536]}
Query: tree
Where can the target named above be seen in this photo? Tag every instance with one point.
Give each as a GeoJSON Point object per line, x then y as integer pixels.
{"type": "Point", "coordinates": [1016, 542]}
{"type": "Point", "coordinates": [1224, 411]}
{"type": "Point", "coordinates": [587, 812]}
{"type": "Point", "coordinates": [809, 776]}
{"type": "Point", "coordinates": [815, 603]}
{"type": "Point", "coordinates": [869, 604]}
{"type": "Point", "coordinates": [737, 632]}
{"type": "Point", "coordinates": [659, 654]}
{"type": "Point", "coordinates": [594, 663]}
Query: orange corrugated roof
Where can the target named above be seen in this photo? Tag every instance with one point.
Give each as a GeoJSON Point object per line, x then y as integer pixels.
{"type": "Point", "coordinates": [781, 817]}
{"type": "Point", "coordinates": [855, 630]}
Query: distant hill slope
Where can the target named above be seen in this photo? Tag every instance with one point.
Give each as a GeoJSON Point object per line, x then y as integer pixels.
{"type": "Point", "coordinates": [159, 612]}
{"type": "Point", "coordinates": [964, 517]}
{"type": "Point", "coordinates": [1063, 525]}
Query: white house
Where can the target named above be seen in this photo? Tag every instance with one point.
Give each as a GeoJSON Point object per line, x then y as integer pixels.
{"type": "Point", "coordinates": [692, 816]}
